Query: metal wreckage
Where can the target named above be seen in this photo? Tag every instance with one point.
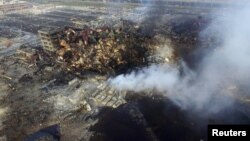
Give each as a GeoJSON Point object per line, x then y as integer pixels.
{"type": "Point", "coordinates": [72, 57]}
{"type": "Point", "coordinates": [108, 49]}
{"type": "Point", "coordinates": [60, 71]}
{"type": "Point", "coordinates": [104, 50]}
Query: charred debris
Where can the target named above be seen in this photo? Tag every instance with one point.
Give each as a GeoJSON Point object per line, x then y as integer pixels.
{"type": "Point", "coordinates": [59, 70]}
{"type": "Point", "coordinates": [77, 52]}
{"type": "Point", "coordinates": [70, 53]}
{"type": "Point", "coordinates": [102, 50]}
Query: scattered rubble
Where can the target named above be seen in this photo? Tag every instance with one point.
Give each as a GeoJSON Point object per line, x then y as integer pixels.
{"type": "Point", "coordinates": [103, 50]}
{"type": "Point", "coordinates": [64, 81]}
{"type": "Point", "coordinates": [68, 76]}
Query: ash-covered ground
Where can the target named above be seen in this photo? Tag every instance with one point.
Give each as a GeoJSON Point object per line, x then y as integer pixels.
{"type": "Point", "coordinates": [60, 96]}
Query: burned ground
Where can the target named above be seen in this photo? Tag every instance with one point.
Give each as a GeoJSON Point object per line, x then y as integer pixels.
{"type": "Point", "coordinates": [29, 110]}
{"type": "Point", "coordinates": [39, 91]}
{"type": "Point", "coordinates": [168, 122]}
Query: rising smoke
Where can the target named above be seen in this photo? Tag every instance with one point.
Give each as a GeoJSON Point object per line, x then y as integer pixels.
{"type": "Point", "coordinates": [217, 81]}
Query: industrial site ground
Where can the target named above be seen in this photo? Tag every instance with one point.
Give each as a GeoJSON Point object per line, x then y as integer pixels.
{"type": "Point", "coordinates": [67, 94]}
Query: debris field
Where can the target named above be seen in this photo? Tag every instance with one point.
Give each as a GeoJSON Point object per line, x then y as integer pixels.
{"type": "Point", "coordinates": [58, 72]}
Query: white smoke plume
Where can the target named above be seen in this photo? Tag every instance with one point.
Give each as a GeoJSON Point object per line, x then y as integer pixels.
{"type": "Point", "coordinates": [218, 76]}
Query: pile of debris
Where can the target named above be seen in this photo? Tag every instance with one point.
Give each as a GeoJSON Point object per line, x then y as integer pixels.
{"type": "Point", "coordinates": [102, 50]}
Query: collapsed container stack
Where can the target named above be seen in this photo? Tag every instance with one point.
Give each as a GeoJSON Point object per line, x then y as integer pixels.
{"type": "Point", "coordinates": [102, 50]}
